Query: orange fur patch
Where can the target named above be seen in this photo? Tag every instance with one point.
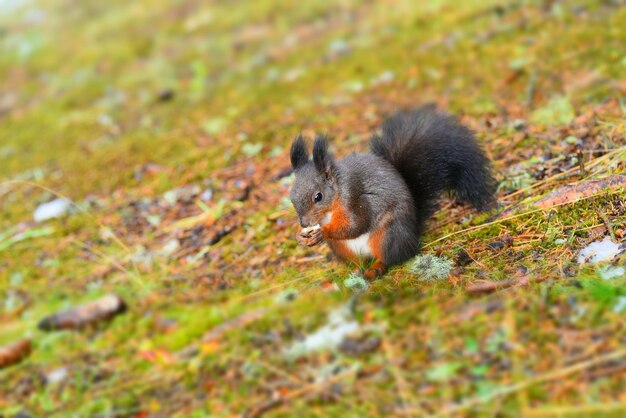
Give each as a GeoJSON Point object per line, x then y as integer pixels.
{"type": "Point", "coordinates": [376, 242]}
{"type": "Point", "coordinates": [341, 250]}
{"type": "Point", "coordinates": [339, 222]}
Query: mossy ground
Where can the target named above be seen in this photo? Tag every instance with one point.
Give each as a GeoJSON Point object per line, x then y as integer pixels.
{"type": "Point", "coordinates": [112, 104]}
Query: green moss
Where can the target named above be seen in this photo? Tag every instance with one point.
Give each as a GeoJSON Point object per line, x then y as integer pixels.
{"type": "Point", "coordinates": [558, 111]}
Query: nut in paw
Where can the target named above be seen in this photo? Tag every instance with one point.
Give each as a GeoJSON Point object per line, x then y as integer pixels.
{"type": "Point", "coordinates": [309, 238]}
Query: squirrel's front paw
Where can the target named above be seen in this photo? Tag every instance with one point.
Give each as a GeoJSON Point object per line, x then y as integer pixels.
{"type": "Point", "coordinates": [309, 238]}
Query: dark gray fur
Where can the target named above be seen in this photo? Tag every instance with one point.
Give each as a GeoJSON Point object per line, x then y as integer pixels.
{"type": "Point", "coordinates": [419, 155]}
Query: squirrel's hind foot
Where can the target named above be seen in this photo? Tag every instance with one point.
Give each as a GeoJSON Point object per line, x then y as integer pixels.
{"type": "Point", "coordinates": [374, 271]}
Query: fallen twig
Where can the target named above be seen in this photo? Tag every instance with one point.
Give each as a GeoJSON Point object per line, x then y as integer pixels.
{"type": "Point", "coordinates": [572, 192]}
{"type": "Point", "coordinates": [493, 285]}
{"type": "Point", "coordinates": [102, 309]}
{"type": "Point", "coordinates": [606, 371]}
{"type": "Point", "coordinates": [13, 353]}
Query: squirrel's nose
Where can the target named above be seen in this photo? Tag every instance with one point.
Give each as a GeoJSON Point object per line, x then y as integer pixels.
{"type": "Point", "coordinates": [302, 222]}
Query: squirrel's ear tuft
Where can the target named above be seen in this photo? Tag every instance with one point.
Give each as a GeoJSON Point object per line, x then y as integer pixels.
{"type": "Point", "coordinates": [323, 158]}
{"type": "Point", "coordinates": [299, 153]}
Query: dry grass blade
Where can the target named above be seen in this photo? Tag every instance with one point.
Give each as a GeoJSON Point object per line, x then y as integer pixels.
{"type": "Point", "coordinates": [508, 218]}
{"type": "Point", "coordinates": [548, 180]}
{"type": "Point", "coordinates": [507, 390]}
{"type": "Point", "coordinates": [313, 388]}
{"type": "Point", "coordinates": [578, 410]}
{"type": "Point", "coordinates": [101, 225]}
{"type": "Point", "coordinates": [404, 390]}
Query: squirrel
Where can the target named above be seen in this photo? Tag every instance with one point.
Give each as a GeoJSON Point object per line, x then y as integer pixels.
{"type": "Point", "coordinates": [375, 205]}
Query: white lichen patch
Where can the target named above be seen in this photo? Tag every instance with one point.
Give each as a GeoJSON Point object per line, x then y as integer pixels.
{"type": "Point", "coordinates": [605, 250]}
{"type": "Point", "coordinates": [328, 337]}
{"type": "Point", "coordinates": [356, 282]}
{"type": "Point", "coordinates": [610, 273]}
{"type": "Point", "coordinates": [429, 267]}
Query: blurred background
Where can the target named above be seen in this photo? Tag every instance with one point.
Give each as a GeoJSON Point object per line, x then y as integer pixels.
{"type": "Point", "coordinates": [143, 154]}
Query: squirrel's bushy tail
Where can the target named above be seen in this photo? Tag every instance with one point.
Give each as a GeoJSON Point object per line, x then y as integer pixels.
{"type": "Point", "coordinates": [434, 153]}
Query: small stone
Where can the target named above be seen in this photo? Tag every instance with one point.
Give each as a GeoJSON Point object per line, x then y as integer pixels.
{"type": "Point", "coordinates": [56, 375]}
{"type": "Point", "coordinates": [184, 193]}
{"type": "Point", "coordinates": [496, 245]}
{"type": "Point", "coordinates": [357, 346]}
{"type": "Point", "coordinates": [169, 248]}
{"type": "Point", "coordinates": [463, 258]}
{"type": "Point", "coordinates": [244, 190]}
{"type": "Point", "coordinates": [206, 195]}
{"type": "Point", "coordinates": [286, 296]}
{"type": "Point", "coordinates": [165, 325]}
{"type": "Point", "coordinates": [518, 124]}
{"type": "Point", "coordinates": [338, 47]}
{"type": "Point", "coordinates": [165, 95]}
{"type": "Point", "coordinates": [620, 306]}
{"type": "Point", "coordinates": [58, 208]}
{"type": "Point", "coordinates": [283, 172]}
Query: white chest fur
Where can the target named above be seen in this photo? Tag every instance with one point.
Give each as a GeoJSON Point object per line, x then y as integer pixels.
{"type": "Point", "coordinates": [360, 245]}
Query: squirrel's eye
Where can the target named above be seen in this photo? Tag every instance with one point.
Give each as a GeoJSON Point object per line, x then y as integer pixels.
{"type": "Point", "coordinates": [317, 197]}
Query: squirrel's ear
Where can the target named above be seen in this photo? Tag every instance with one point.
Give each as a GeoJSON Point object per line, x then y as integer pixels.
{"type": "Point", "coordinates": [323, 158]}
{"type": "Point", "coordinates": [299, 153]}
